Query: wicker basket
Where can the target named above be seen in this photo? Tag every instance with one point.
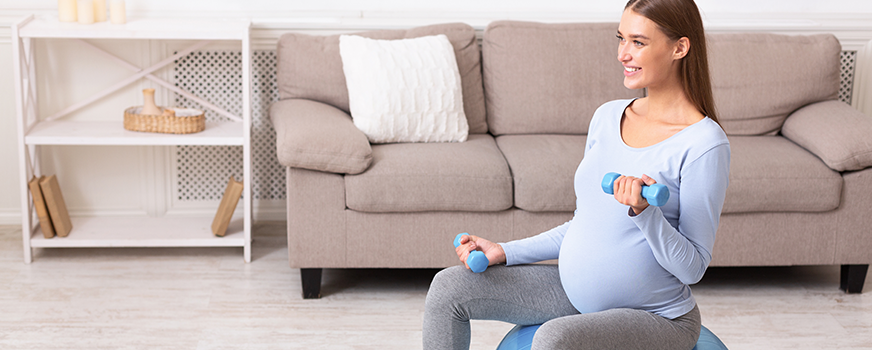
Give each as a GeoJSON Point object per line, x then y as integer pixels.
{"type": "Point", "coordinates": [183, 121]}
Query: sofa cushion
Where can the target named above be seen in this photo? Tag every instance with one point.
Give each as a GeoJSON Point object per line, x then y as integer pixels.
{"type": "Point", "coordinates": [410, 177]}
{"type": "Point", "coordinates": [543, 168]}
{"type": "Point", "coordinates": [310, 67]}
{"type": "Point", "coordinates": [313, 135]}
{"type": "Point", "coordinates": [758, 79]}
{"type": "Point", "coordinates": [835, 132]}
{"type": "Point", "coordinates": [772, 174]}
{"type": "Point", "coordinates": [549, 78]}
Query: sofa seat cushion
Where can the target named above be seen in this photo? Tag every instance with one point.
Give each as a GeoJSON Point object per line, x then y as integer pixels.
{"type": "Point", "coordinates": [772, 174]}
{"type": "Point", "coordinates": [543, 167]}
{"type": "Point", "coordinates": [415, 177]}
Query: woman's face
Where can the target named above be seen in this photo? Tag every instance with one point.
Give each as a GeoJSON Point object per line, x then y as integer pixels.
{"type": "Point", "coordinates": [647, 54]}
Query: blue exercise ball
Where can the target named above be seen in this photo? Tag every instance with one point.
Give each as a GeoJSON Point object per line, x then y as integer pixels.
{"type": "Point", "coordinates": [708, 341]}
{"type": "Point", "coordinates": [521, 338]}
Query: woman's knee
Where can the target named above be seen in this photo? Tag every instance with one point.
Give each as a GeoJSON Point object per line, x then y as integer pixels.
{"type": "Point", "coordinates": [447, 281]}
{"type": "Point", "coordinates": [552, 335]}
{"type": "Point", "coordinates": [446, 288]}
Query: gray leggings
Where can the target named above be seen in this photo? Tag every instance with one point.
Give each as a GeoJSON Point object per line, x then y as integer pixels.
{"type": "Point", "coordinates": [532, 294]}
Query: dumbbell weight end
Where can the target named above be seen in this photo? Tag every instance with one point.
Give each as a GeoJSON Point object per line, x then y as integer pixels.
{"type": "Point", "coordinates": [656, 194]}
{"type": "Point", "coordinates": [476, 260]}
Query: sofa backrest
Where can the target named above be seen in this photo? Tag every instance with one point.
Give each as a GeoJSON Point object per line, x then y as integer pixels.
{"type": "Point", "coordinates": [759, 79]}
{"type": "Point", "coordinates": [549, 78]}
{"type": "Point", "coordinates": [310, 67]}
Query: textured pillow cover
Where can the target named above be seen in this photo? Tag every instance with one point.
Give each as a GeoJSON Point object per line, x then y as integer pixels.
{"type": "Point", "coordinates": [406, 90]}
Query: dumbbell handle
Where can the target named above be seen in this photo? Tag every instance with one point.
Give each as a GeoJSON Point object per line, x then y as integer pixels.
{"type": "Point", "coordinates": [476, 260]}
{"type": "Point", "coordinates": [656, 194]}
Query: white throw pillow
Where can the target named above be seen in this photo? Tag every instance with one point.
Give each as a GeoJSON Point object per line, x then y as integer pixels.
{"type": "Point", "coordinates": [405, 90]}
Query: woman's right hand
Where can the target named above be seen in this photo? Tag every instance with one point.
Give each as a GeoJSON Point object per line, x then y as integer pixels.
{"type": "Point", "coordinates": [494, 252]}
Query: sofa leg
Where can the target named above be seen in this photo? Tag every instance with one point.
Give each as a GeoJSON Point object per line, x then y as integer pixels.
{"type": "Point", "coordinates": [853, 277]}
{"type": "Point", "coordinates": [311, 279]}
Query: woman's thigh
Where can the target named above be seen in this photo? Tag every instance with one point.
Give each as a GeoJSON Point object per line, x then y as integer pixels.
{"type": "Point", "coordinates": [523, 294]}
{"type": "Point", "coordinates": [619, 329]}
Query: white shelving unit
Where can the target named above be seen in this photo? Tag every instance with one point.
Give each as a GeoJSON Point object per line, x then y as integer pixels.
{"type": "Point", "coordinates": [35, 130]}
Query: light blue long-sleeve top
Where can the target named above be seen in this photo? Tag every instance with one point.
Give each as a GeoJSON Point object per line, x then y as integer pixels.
{"type": "Point", "coordinates": [609, 259]}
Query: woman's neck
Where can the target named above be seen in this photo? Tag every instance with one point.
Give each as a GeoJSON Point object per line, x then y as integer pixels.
{"type": "Point", "coordinates": [670, 105]}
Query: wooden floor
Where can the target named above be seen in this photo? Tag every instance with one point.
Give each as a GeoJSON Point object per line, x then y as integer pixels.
{"type": "Point", "coordinates": [208, 298]}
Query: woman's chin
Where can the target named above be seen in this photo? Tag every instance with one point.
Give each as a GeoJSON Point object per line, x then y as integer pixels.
{"type": "Point", "coordinates": [632, 85]}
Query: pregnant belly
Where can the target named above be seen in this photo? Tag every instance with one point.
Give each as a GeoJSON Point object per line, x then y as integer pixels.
{"type": "Point", "coordinates": [602, 274]}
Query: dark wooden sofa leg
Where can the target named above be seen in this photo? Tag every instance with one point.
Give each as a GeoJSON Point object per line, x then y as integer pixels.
{"type": "Point", "coordinates": [853, 277]}
{"type": "Point", "coordinates": [311, 279]}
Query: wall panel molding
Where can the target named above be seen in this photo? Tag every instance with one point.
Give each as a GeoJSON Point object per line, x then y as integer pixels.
{"type": "Point", "coordinates": [862, 93]}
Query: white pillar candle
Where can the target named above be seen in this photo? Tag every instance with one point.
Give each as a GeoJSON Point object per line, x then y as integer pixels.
{"type": "Point", "coordinates": [67, 10]}
{"type": "Point", "coordinates": [117, 12]}
{"type": "Point", "coordinates": [99, 10]}
{"type": "Point", "coordinates": [86, 11]}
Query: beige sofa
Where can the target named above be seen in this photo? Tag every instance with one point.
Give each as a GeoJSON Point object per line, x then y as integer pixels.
{"type": "Point", "coordinates": [799, 188]}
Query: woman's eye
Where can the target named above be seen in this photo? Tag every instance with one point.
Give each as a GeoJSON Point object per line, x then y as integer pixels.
{"type": "Point", "coordinates": [638, 43]}
{"type": "Point", "coordinates": [620, 38]}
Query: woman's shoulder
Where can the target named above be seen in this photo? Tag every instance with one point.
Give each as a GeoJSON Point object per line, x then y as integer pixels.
{"type": "Point", "coordinates": [610, 112]}
{"type": "Point", "coordinates": [615, 106]}
{"type": "Point", "coordinates": [712, 132]}
{"type": "Point", "coordinates": [705, 136]}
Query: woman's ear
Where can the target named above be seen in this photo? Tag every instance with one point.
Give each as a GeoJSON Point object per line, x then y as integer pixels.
{"type": "Point", "coordinates": [682, 47]}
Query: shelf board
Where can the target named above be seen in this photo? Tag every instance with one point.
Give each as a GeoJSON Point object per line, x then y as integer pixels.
{"type": "Point", "coordinates": [64, 132]}
{"type": "Point", "coordinates": [115, 232]}
{"type": "Point", "coordinates": [186, 29]}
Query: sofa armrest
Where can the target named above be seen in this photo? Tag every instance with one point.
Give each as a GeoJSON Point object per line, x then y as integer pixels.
{"type": "Point", "coordinates": [316, 136]}
{"type": "Point", "coordinates": [835, 132]}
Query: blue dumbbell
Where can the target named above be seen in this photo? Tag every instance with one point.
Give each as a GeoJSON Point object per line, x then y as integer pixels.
{"type": "Point", "coordinates": [656, 194]}
{"type": "Point", "coordinates": [476, 260]}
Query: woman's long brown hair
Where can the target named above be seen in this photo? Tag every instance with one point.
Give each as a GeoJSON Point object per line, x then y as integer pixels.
{"type": "Point", "coordinates": [677, 19]}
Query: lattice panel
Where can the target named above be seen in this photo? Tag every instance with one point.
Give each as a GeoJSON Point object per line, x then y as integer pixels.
{"type": "Point", "coordinates": [849, 59]}
{"type": "Point", "coordinates": [202, 171]}
{"type": "Point", "coordinates": [216, 76]}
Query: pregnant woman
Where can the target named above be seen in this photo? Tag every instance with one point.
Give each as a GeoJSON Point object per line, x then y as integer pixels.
{"type": "Point", "coordinates": [622, 281]}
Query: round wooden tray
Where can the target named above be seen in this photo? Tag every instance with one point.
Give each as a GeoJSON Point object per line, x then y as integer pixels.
{"type": "Point", "coordinates": [182, 121]}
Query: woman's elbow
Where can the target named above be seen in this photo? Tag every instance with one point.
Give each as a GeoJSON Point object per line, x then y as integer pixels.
{"type": "Point", "coordinates": [693, 274]}
{"type": "Point", "coordinates": [691, 278]}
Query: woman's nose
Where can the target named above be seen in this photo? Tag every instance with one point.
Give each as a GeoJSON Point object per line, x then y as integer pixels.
{"type": "Point", "coordinates": [623, 55]}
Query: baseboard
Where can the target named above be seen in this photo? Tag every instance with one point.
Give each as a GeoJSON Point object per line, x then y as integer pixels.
{"type": "Point", "coordinates": [10, 217]}
{"type": "Point", "coordinates": [270, 210]}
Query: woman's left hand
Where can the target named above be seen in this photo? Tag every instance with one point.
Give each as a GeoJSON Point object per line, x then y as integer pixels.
{"type": "Point", "coordinates": [628, 191]}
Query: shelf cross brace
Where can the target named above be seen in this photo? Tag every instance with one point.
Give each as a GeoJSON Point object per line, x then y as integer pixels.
{"type": "Point", "coordinates": [164, 83]}
{"type": "Point", "coordinates": [141, 73]}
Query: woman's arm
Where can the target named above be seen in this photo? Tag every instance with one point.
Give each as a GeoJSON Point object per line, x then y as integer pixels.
{"type": "Point", "coordinates": [541, 247]}
{"type": "Point", "coordinates": [686, 252]}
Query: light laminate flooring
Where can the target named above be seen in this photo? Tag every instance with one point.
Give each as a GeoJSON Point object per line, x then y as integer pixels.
{"type": "Point", "coordinates": [208, 298]}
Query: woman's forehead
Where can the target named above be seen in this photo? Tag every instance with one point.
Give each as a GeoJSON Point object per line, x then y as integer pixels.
{"type": "Point", "coordinates": [634, 25]}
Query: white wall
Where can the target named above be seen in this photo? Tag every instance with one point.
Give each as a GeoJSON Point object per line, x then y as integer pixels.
{"type": "Point", "coordinates": [282, 7]}
{"type": "Point", "coordinates": [105, 180]}
{"type": "Point", "coordinates": [9, 195]}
